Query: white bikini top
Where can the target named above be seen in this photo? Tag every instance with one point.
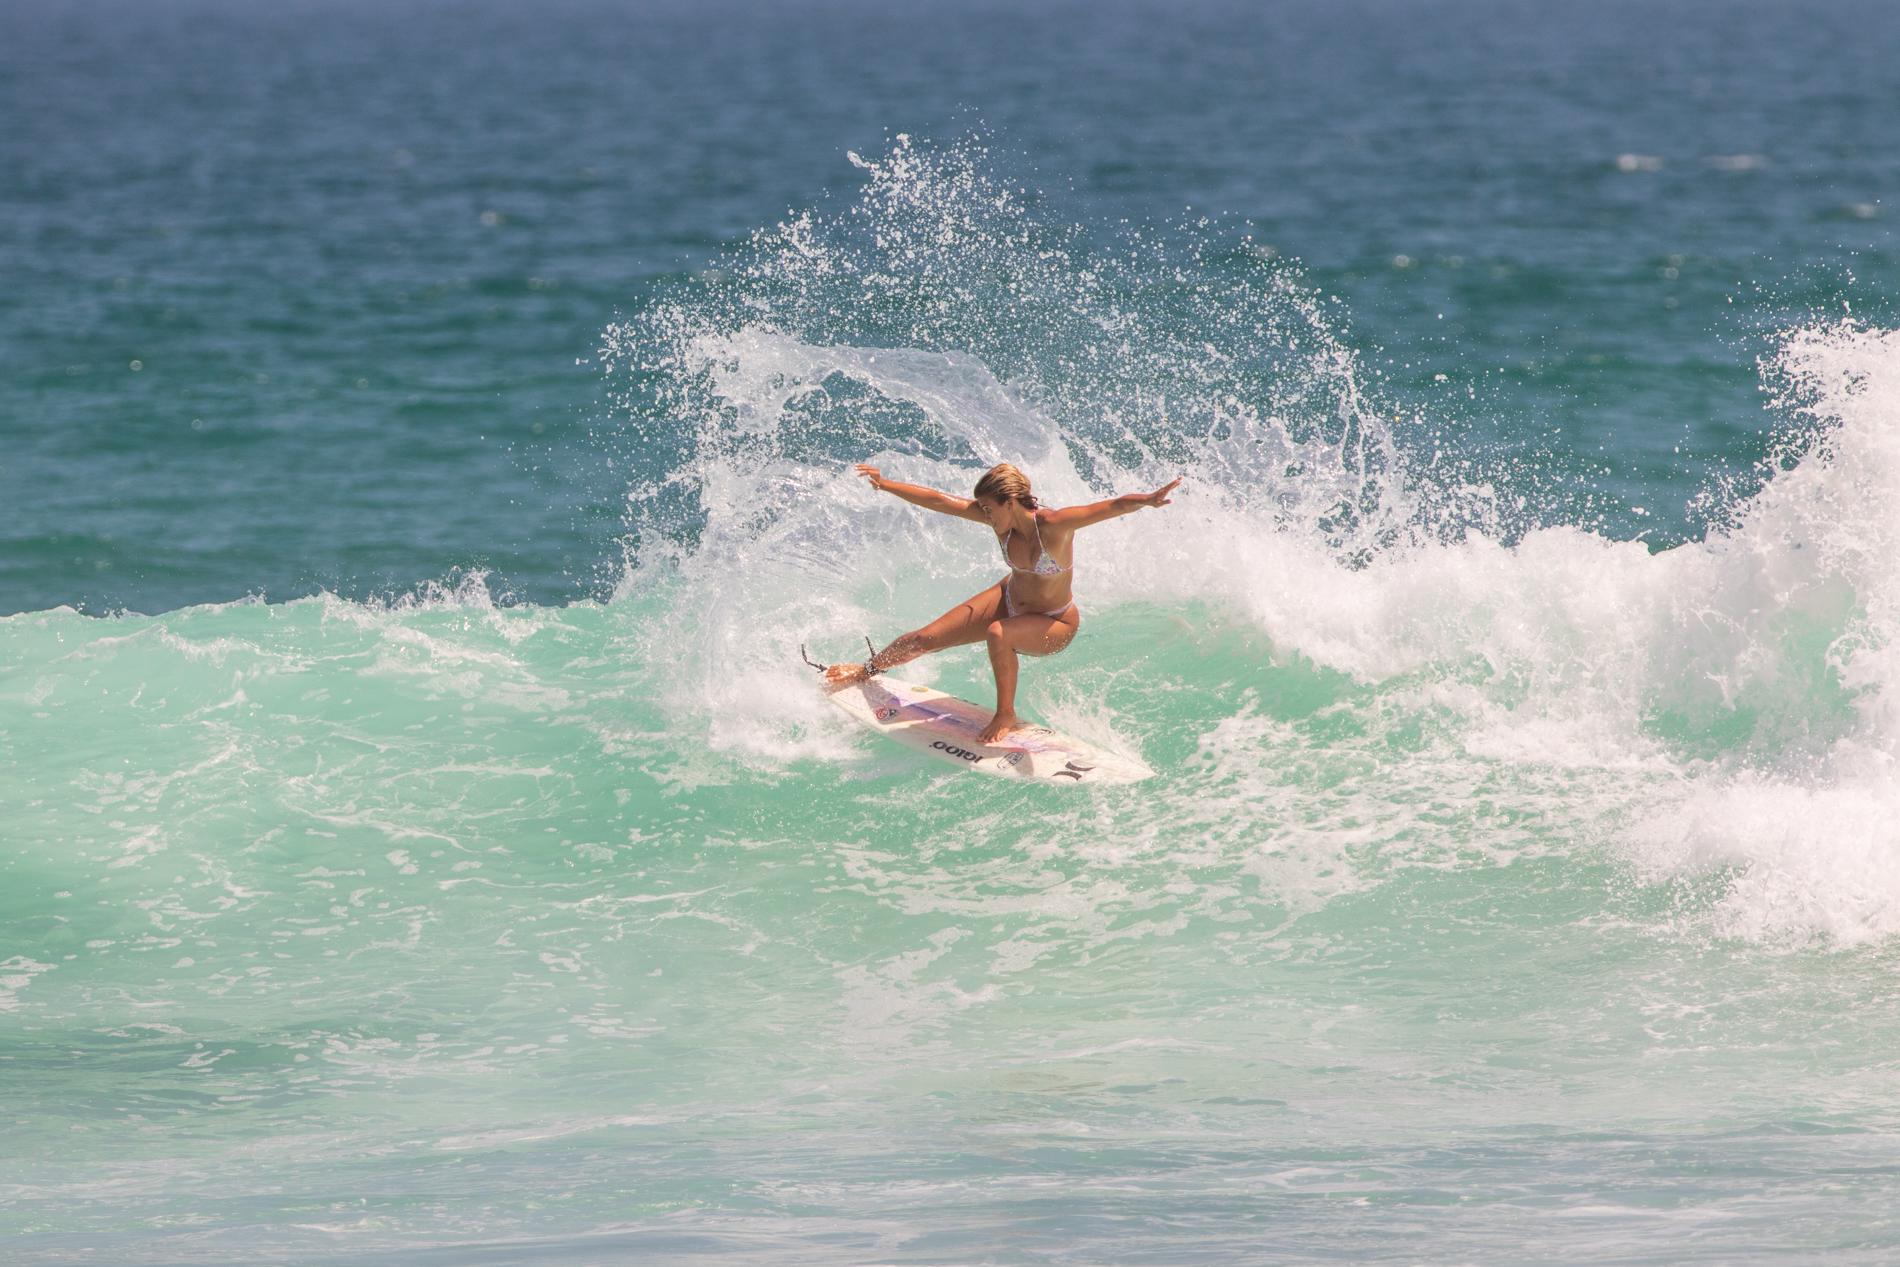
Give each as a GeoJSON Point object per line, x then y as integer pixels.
{"type": "Point", "coordinates": [1044, 565]}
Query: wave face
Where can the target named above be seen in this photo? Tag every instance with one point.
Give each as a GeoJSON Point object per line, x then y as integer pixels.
{"type": "Point", "coordinates": [1494, 861]}
{"type": "Point", "coordinates": [1367, 593]}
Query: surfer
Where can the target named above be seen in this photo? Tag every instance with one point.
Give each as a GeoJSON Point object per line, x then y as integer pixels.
{"type": "Point", "coordinates": [1032, 610]}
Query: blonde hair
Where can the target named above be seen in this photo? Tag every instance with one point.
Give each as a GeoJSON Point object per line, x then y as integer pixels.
{"type": "Point", "coordinates": [1007, 483]}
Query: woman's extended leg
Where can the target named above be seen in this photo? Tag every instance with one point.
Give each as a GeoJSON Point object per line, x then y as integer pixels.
{"type": "Point", "coordinates": [1031, 634]}
{"type": "Point", "coordinates": [962, 624]}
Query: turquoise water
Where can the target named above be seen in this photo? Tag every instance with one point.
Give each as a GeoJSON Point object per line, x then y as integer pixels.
{"type": "Point", "coordinates": [426, 444]}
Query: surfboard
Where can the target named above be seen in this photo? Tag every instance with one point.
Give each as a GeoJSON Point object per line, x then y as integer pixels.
{"type": "Point", "coordinates": [945, 728]}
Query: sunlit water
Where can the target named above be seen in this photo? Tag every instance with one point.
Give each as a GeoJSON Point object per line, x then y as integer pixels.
{"type": "Point", "coordinates": [457, 865]}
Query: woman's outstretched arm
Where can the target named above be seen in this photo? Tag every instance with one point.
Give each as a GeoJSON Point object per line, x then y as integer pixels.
{"type": "Point", "coordinates": [1073, 517]}
{"type": "Point", "coordinates": [918, 495]}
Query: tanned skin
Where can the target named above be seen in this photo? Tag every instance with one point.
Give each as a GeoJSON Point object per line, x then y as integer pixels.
{"type": "Point", "coordinates": [984, 617]}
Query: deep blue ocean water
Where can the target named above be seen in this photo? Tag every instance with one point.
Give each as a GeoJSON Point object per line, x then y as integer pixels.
{"type": "Point", "coordinates": [424, 443]}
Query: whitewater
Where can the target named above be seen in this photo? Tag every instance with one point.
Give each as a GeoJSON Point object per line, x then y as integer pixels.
{"type": "Point", "coordinates": [1508, 881]}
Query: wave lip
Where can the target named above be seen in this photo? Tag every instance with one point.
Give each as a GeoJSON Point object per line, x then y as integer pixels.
{"type": "Point", "coordinates": [936, 325]}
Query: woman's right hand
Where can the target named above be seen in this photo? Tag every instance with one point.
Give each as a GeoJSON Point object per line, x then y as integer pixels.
{"type": "Point", "coordinates": [1160, 496]}
{"type": "Point", "coordinates": [873, 474]}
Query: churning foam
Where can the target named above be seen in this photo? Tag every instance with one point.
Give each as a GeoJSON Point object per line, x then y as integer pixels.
{"type": "Point", "coordinates": [1727, 704]}
{"type": "Point", "coordinates": [1806, 587]}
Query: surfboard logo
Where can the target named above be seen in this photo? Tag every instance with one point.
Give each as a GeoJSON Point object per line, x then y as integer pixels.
{"type": "Point", "coordinates": [955, 751]}
{"type": "Point", "coordinates": [1070, 770]}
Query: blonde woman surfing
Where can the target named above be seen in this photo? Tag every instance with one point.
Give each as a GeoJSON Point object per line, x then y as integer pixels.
{"type": "Point", "coordinates": [1032, 610]}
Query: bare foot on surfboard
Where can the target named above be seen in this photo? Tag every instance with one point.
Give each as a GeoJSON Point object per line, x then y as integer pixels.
{"type": "Point", "coordinates": [845, 674]}
{"type": "Point", "coordinates": [1000, 725]}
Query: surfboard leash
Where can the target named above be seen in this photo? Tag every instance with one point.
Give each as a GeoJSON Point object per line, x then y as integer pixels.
{"type": "Point", "coordinates": [870, 662]}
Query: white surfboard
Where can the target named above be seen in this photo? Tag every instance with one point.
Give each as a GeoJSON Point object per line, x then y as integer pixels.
{"type": "Point", "coordinates": [945, 728]}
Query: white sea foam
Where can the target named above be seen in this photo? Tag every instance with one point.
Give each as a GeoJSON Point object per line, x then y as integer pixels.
{"type": "Point", "coordinates": [1753, 667]}
{"type": "Point", "coordinates": [1811, 825]}
{"type": "Point", "coordinates": [16, 973]}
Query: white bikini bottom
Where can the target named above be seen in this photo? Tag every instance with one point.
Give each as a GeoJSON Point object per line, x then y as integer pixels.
{"type": "Point", "coordinates": [1009, 606]}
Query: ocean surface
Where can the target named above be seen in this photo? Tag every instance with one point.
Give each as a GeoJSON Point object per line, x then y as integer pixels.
{"type": "Point", "coordinates": [425, 442]}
